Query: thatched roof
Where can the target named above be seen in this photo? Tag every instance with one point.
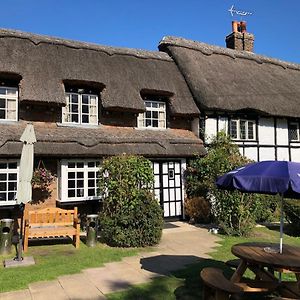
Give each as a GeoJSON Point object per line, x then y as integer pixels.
{"type": "Point", "coordinates": [62, 141]}
{"type": "Point", "coordinates": [45, 63]}
{"type": "Point", "coordinates": [230, 80]}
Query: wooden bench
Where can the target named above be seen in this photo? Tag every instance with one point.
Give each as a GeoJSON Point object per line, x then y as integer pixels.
{"type": "Point", "coordinates": [217, 286]}
{"type": "Point", "coordinates": [51, 222]}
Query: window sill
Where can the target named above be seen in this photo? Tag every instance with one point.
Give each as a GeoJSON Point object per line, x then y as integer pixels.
{"type": "Point", "coordinates": [294, 141]}
{"type": "Point", "coordinates": [78, 200]}
{"type": "Point", "coordinates": [77, 125]}
{"type": "Point", "coordinates": [7, 203]}
{"type": "Point", "coordinates": [239, 140]}
{"type": "Point", "coordinates": [3, 121]}
{"type": "Point", "coordinates": [150, 128]}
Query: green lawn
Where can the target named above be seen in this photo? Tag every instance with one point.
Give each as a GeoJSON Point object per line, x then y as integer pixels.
{"type": "Point", "coordinates": [55, 260]}
{"type": "Point", "coordinates": [61, 259]}
{"type": "Point", "coordinates": [185, 284]}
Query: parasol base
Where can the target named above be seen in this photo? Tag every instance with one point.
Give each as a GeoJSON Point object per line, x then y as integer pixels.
{"type": "Point", "coordinates": [26, 261]}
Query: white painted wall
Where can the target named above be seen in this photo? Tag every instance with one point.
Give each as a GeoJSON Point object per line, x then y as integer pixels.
{"type": "Point", "coordinates": [283, 154]}
{"type": "Point", "coordinates": [295, 154]}
{"type": "Point", "coordinates": [251, 153]}
{"type": "Point", "coordinates": [266, 131]}
{"type": "Point", "coordinates": [266, 153]}
{"type": "Point", "coordinates": [282, 132]}
{"type": "Point", "coordinates": [223, 124]}
{"type": "Point", "coordinates": [210, 128]}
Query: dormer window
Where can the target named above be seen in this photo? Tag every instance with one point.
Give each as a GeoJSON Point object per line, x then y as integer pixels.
{"type": "Point", "coordinates": [155, 114]}
{"type": "Point", "coordinates": [8, 103]}
{"type": "Point", "coordinates": [81, 107]}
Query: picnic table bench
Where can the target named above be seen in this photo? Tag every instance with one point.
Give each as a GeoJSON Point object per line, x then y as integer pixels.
{"type": "Point", "coordinates": [51, 222]}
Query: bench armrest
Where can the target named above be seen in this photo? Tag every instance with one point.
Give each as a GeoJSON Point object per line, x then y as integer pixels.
{"type": "Point", "coordinates": [76, 220]}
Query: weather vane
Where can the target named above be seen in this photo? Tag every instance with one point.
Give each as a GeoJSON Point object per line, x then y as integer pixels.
{"type": "Point", "coordinates": [233, 11]}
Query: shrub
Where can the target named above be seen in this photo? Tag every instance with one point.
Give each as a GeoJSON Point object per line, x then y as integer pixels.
{"type": "Point", "coordinates": [292, 215]}
{"type": "Point", "coordinates": [131, 216]}
{"type": "Point", "coordinates": [198, 209]}
{"type": "Point", "coordinates": [234, 212]}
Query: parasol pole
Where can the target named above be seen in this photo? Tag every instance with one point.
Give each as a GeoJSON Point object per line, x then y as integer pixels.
{"type": "Point", "coordinates": [281, 223]}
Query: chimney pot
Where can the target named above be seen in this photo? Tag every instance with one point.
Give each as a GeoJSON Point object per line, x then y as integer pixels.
{"type": "Point", "coordinates": [234, 26]}
{"type": "Point", "coordinates": [243, 26]}
{"type": "Point", "coordinates": [240, 39]}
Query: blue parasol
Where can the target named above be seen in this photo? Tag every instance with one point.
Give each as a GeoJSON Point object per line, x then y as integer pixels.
{"type": "Point", "coordinates": [265, 177]}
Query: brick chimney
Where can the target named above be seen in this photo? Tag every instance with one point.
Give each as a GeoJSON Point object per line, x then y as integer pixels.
{"type": "Point", "coordinates": [240, 39]}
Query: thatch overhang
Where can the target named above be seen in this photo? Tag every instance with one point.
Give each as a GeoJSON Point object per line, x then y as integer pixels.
{"type": "Point", "coordinates": [230, 80]}
{"type": "Point", "coordinates": [46, 63]}
{"type": "Point", "coordinates": [61, 141]}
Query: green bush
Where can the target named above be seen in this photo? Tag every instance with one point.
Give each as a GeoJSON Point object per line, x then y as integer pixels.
{"type": "Point", "coordinates": [292, 215]}
{"type": "Point", "coordinates": [234, 212]}
{"type": "Point", "coordinates": [131, 216]}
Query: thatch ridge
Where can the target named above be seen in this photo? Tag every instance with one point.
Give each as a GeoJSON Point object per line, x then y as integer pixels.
{"type": "Point", "coordinates": [38, 39]}
{"type": "Point", "coordinates": [212, 49]}
{"type": "Point", "coordinates": [228, 80]}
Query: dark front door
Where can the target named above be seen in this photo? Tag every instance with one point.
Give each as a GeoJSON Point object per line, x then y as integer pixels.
{"type": "Point", "coordinates": [168, 187]}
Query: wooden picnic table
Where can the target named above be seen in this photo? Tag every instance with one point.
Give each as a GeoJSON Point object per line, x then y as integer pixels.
{"type": "Point", "coordinates": [262, 261]}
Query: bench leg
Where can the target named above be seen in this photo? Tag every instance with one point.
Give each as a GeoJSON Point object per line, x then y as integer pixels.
{"type": "Point", "coordinates": [76, 241]}
{"type": "Point", "coordinates": [25, 240]}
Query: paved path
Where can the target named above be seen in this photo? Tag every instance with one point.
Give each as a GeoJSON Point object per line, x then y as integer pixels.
{"type": "Point", "coordinates": [181, 244]}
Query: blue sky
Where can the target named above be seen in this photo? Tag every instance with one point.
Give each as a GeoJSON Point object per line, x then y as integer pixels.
{"type": "Point", "coordinates": [142, 24]}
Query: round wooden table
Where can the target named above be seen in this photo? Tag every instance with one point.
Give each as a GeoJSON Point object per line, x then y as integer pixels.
{"type": "Point", "coordinates": [258, 254]}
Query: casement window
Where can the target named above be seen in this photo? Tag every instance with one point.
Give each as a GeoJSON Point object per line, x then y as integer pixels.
{"type": "Point", "coordinates": [79, 180]}
{"type": "Point", "coordinates": [294, 132]}
{"type": "Point", "coordinates": [240, 129]}
{"type": "Point", "coordinates": [8, 181]}
{"type": "Point", "coordinates": [8, 103]}
{"type": "Point", "coordinates": [154, 116]}
{"type": "Point", "coordinates": [81, 108]}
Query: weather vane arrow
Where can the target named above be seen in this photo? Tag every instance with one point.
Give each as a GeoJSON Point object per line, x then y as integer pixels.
{"type": "Point", "coordinates": [233, 11]}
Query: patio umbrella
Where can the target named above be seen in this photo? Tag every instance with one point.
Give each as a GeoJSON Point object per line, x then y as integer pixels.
{"type": "Point", "coordinates": [265, 177]}
{"type": "Point", "coordinates": [24, 193]}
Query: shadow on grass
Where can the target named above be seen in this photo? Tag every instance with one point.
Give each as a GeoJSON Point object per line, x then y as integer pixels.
{"type": "Point", "coordinates": [184, 284]}
{"type": "Point", "coordinates": [50, 241]}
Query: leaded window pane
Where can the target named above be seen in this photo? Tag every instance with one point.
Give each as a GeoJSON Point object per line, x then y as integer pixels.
{"type": "Point", "coordinates": [242, 130]}
{"type": "Point", "coordinates": [233, 129]}
{"type": "Point", "coordinates": [294, 132]}
{"type": "Point", "coordinates": [250, 130]}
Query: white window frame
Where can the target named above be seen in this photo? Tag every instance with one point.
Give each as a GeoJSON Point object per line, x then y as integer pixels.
{"type": "Point", "coordinates": [297, 131]}
{"type": "Point", "coordinates": [10, 171]}
{"type": "Point", "coordinates": [85, 169]}
{"type": "Point", "coordinates": [238, 129]}
{"type": "Point", "coordinates": [67, 113]}
{"type": "Point", "coordinates": [6, 98]}
{"type": "Point", "coordinates": [161, 112]}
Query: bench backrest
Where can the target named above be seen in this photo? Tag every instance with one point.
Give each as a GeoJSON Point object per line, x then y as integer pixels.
{"type": "Point", "coordinates": [51, 215]}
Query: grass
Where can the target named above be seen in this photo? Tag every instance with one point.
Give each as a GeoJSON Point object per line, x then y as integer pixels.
{"type": "Point", "coordinates": [55, 260]}
{"type": "Point", "coordinates": [186, 285]}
